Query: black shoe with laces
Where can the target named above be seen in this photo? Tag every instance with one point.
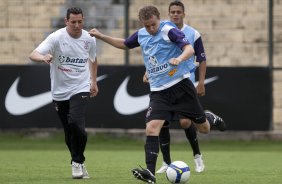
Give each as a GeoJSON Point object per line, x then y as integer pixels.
{"type": "Point", "coordinates": [144, 175]}
{"type": "Point", "coordinates": [218, 122]}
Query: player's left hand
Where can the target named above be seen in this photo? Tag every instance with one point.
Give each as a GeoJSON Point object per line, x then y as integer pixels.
{"type": "Point", "coordinates": [174, 61]}
{"type": "Point", "coordinates": [201, 91]}
{"type": "Point", "coordinates": [93, 89]}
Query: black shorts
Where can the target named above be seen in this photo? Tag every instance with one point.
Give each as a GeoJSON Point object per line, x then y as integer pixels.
{"type": "Point", "coordinates": [180, 100]}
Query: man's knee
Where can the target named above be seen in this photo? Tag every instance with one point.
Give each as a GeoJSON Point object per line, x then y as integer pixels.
{"type": "Point", "coordinates": [185, 123]}
{"type": "Point", "coordinates": [153, 127]}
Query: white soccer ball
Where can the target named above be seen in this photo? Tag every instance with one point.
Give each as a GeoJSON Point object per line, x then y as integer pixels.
{"type": "Point", "coordinates": [178, 172]}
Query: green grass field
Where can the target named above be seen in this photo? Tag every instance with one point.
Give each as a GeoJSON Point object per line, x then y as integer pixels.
{"type": "Point", "coordinates": [29, 160]}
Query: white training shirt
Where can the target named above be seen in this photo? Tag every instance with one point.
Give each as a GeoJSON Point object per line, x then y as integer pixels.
{"type": "Point", "coordinates": [69, 70]}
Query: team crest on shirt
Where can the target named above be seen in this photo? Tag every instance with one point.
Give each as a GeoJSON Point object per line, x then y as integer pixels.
{"type": "Point", "coordinates": [86, 44]}
{"type": "Point", "coordinates": [153, 61]}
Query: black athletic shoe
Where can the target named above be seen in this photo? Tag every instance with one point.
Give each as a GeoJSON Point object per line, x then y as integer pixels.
{"type": "Point", "coordinates": [144, 175]}
{"type": "Point", "coordinates": [218, 122]}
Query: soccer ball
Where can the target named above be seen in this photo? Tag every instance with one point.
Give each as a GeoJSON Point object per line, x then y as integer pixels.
{"type": "Point", "coordinates": [178, 172]}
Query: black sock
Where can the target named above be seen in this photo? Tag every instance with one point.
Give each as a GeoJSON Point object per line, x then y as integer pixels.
{"type": "Point", "coordinates": [191, 134]}
{"type": "Point", "coordinates": [165, 144]}
{"type": "Point", "coordinates": [151, 152]}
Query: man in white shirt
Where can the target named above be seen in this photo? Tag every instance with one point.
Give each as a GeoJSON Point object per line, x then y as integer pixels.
{"type": "Point", "coordinates": [71, 54]}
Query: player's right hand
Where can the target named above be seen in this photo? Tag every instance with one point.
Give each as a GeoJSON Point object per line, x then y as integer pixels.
{"type": "Point", "coordinates": [95, 32]}
{"type": "Point", "coordinates": [48, 58]}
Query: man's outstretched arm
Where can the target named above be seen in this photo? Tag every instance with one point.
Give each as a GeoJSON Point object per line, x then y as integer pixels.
{"type": "Point", "coordinates": [116, 42]}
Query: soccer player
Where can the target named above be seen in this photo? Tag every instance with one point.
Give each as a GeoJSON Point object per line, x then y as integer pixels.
{"type": "Point", "coordinates": [71, 54]}
{"type": "Point", "coordinates": [176, 12]}
{"type": "Point", "coordinates": [165, 51]}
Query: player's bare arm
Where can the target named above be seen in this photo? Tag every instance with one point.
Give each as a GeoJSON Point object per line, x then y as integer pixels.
{"type": "Point", "coordinates": [36, 56]}
{"type": "Point", "coordinates": [93, 72]}
{"type": "Point", "coordinates": [202, 74]}
{"type": "Point", "coordinates": [188, 51]}
{"type": "Point", "coordinates": [116, 42]}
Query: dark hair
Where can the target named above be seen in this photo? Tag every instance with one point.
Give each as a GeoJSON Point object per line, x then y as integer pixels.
{"type": "Point", "coordinates": [176, 3]}
{"type": "Point", "coordinates": [147, 12]}
{"type": "Point", "coordinates": [74, 10]}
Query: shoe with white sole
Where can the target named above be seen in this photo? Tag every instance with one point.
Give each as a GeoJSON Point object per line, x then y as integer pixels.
{"type": "Point", "coordinates": [85, 173]}
{"type": "Point", "coordinates": [163, 168]}
{"type": "Point", "coordinates": [199, 163]}
{"type": "Point", "coordinates": [76, 169]}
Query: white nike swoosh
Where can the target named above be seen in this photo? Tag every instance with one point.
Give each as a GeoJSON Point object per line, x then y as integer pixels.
{"type": "Point", "coordinates": [126, 104]}
{"type": "Point", "coordinates": [209, 80]}
{"type": "Point", "coordinates": [18, 105]}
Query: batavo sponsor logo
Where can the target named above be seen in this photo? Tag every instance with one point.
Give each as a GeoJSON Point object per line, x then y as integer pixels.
{"type": "Point", "coordinates": [159, 69]}
{"type": "Point", "coordinates": [78, 62]}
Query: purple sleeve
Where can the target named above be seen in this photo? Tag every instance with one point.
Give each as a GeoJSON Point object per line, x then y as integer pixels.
{"type": "Point", "coordinates": [132, 41]}
{"type": "Point", "coordinates": [199, 50]}
{"type": "Point", "coordinates": [178, 37]}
